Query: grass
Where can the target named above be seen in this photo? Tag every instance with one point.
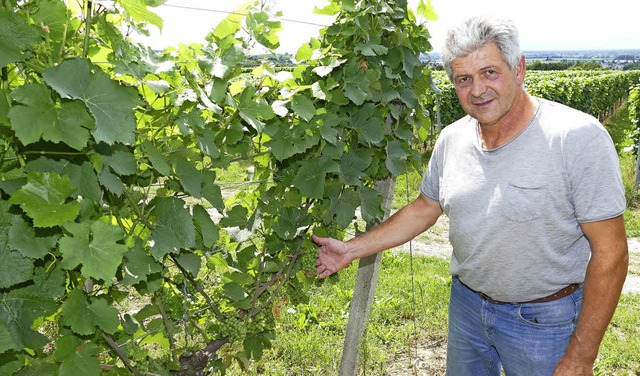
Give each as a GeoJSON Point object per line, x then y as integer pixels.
{"type": "Point", "coordinates": [310, 337]}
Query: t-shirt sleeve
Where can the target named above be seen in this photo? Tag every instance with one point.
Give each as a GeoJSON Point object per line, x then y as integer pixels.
{"type": "Point", "coordinates": [430, 186]}
{"type": "Point", "coordinates": [596, 181]}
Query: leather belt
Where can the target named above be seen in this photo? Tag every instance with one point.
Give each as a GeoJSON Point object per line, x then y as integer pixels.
{"type": "Point", "coordinates": [549, 298]}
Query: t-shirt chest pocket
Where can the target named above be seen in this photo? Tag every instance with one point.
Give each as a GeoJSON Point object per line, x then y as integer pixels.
{"type": "Point", "coordinates": [524, 202]}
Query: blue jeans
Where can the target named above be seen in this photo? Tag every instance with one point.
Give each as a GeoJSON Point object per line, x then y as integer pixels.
{"type": "Point", "coordinates": [526, 339]}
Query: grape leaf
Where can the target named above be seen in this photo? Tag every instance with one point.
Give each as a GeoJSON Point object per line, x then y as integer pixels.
{"type": "Point", "coordinates": [287, 140]}
{"type": "Point", "coordinates": [371, 204]}
{"type": "Point", "coordinates": [371, 49]}
{"type": "Point", "coordinates": [6, 340]}
{"type": "Point", "coordinates": [290, 222]}
{"type": "Point", "coordinates": [4, 107]}
{"type": "Point", "coordinates": [44, 198]}
{"type": "Point", "coordinates": [252, 111]}
{"type": "Point", "coordinates": [304, 107]}
{"type": "Point", "coordinates": [110, 104]}
{"type": "Point", "coordinates": [111, 182]}
{"type": "Point", "coordinates": [120, 159]}
{"type": "Point", "coordinates": [210, 191]}
{"type": "Point", "coordinates": [346, 207]}
{"type": "Point", "coordinates": [11, 363]}
{"type": "Point", "coordinates": [234, 291]}
{"type": "Point", "coordinates": [81, 176]}
{"type": "Point", "coordinates": [207, 143]}
{"type": "Point", "coordinates": [19, 307]}
{"type": "Point", "coordinates": [367, 120]}
{"type": "Point", "coordinates": [137, 9]}
{"type": "Point", "coordinates": [138, 265]}
{"type": "Point", "coordinates": [48, 281]}
{"type": "Point", "coordinates": [232, 23]}
{"type": "Point", "coordinates": [38, 367]}
{"type": "Point", "coordinates": [410, 62]}
{"type": "Point", "coordinates": [190, 177]}
{"type": "Point", "coordinates": [14, 269]}
{"type": "Point", "coordinates": [353, 165]}
{"type": "Point", "coordinates": [38, 117]}
{"type": "Point", "coordinates": [236, 217]}
{"type": "Point", "coordinates": [77, 357]}
{"type": "Point", "coordinates": [426, 10]}
{"type": "Point", "coordinates": [254, 344]}
{"type": "Point", "coordinates": [6, 220]}
{"type": "Point", "coordinates": [157, 159]}
{"type": "Point", "coordinates": [189, 262]}
{"type": "Point", "coordinates": [53, 15]}
{"type": "Point", "coordinates": [205, 226]}
{"type": "Point", "coordinates": [94, 245]}
{"type": "Point", "coordinates": [15, 35]}
{"type": "Point", "coordinates": [396, 158]}
{"type": "Point", "coordinates": [23, 239]}
{"type": "Point", "coordinates": [263, 29]}
{"type": "Point", "coordinates": [83, 316]}
{"type": "Point", "coordinates": [311, 176]}
{"type": "Point", "coordinates": [174, 227]}
{"type": "Point", "coordinates": [356, 83]}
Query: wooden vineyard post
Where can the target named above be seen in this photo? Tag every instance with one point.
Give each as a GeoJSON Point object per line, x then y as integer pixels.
{"type": "Point", "coordinates": [364, 291]}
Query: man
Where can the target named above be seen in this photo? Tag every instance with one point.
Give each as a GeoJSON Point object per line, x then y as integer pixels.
{"type": "Point", "coordinates": [535, 201]}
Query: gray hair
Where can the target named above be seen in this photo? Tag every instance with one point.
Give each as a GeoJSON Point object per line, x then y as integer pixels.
{"type": "Point", "coordinates": [475, 33]}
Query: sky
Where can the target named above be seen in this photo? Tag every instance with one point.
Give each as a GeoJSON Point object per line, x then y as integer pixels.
{"type": "Point", "coordinates": [543, 24]}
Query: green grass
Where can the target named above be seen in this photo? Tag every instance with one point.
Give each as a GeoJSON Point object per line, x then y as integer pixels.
{"type": "Point", "coordinates": [620, 350]}
{"type": "Point", "coordinates": [310, 337]}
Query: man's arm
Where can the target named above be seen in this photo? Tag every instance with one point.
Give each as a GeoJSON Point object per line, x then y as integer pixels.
{"type": "Point", "coordinates": [401, 227]}
{"type": "Point", "coordinates": [605, 277]}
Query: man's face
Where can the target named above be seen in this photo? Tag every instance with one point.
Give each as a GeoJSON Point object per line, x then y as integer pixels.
{"type": "Point", "coordinates": [486, 87]}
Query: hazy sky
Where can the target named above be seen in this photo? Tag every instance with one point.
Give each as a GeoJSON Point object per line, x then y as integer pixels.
{"type": "Point", "coordinates": [543, 24]}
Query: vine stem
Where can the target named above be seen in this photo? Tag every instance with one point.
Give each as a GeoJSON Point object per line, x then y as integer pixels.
{"type": "Point", "coordinates": [88, 21]}
{"type": "Point", "coordinates": [197, 287]}
{"type": "Point", "coordinates": [167, 326]}
{"type": "Point", "coordinates": [121, 355]}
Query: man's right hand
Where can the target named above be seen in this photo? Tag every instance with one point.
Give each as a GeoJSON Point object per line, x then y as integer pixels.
{"type": "Point", "coordinates": [332, 257]}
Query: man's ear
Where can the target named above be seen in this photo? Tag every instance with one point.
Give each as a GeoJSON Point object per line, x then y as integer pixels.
{"type": "Point", "coordinates": [521, 69]}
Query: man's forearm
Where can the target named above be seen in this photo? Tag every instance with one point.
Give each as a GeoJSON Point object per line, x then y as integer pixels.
{"type": "Point", "coordinates": [401, 227]}
{"type": "Point", "coordinates": [603, 285]}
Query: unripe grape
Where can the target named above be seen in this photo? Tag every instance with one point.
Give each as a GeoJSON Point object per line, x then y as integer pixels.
{"type": "Point", "coordinates": [296, 294]}
{"type": "Point", "coordinates": [308, 260]}
{"type": "Point", "coordinates": [231, 328]}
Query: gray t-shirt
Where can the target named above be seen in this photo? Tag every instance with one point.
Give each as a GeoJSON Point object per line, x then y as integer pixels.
{"type": "Point", "coordinates": [515, 211]}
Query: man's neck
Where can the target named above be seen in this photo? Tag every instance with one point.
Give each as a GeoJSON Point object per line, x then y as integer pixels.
{"type": "Point", "coordinates": [511, 125]}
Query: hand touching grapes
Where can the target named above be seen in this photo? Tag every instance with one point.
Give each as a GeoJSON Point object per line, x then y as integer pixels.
{"type": "Point", "coordinates": [332, 256]}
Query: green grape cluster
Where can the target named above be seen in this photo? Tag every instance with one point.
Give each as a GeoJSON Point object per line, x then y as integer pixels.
{"type": "Point", "coordinates": [261, 322]}
{"type": "Point", "coordinates": [296, 294]}
{"type": "Point", "coordinates": [231, 328]}
{"type": "Point", "coordinates": [308, 260]}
